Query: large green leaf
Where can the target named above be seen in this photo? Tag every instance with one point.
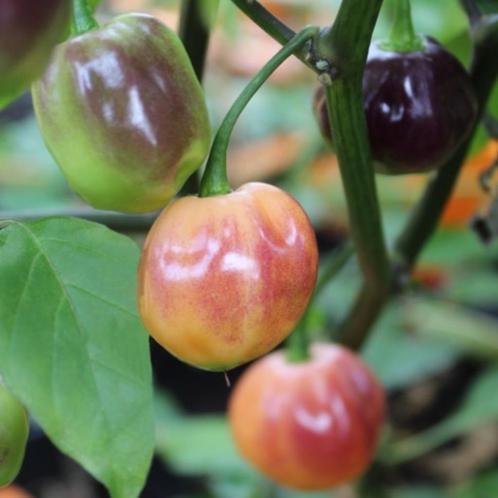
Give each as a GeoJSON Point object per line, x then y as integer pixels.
{"type": "Point", "coordinates": [72, 347]}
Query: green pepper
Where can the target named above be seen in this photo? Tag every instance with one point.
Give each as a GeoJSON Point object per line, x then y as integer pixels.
{"type": "Point", "coordinates": [123, 114]}
{"type": "Point", "coordinates": [28, 32]}
{"type": "Point", "coordinates": [14, 430]}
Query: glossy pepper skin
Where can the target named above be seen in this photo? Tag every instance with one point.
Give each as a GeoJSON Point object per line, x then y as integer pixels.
{"type": "Point", "coordinates": [224, 279]}
{"type": "Point", "coordinates": [123, 114]}
{"type": "Point", "coordinates": [419, 107]}
{"type": "Point", "coordinates": [310, 425]}
{"type": "Point", "coordinates": [29, 31]}
{"type": "Point", "coordinates": [14, 429]}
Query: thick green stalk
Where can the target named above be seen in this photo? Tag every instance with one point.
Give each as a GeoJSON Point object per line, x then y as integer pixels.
{"type": "Point", "coordinates": [346, 46]}
{"type": "Point", "coordinates": [83, 19]}
{"type": "Point", "coordinates": [215, 179]}
{"type": "Point", "coordinates": [425, 217]}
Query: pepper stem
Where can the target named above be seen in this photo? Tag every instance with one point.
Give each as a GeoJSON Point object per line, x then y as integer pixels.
{"type": "Point", "coordinates": [403, 37]}
{"type": "Point", "coordinates": [215, 179]}
{"type": "Point", "coordinates": [83, 19]}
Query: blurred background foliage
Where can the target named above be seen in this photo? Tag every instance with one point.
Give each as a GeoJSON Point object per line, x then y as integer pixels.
{"type": "Point", "coordinates": [435, 349]}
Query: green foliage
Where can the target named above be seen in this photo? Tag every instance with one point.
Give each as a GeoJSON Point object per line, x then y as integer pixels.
{"type": "Point", "coordinates": [483, 486]}
{"type": "Point", "coordinates": [488, 6]}
{"type": "Point", "coordinates": [72, 347]}
{"type": "Point", "coordinates": [400, 358]}
{"type": "Point", "coordinates": [479, 407]}
{"type": "Point", "coordinates": [210, 453]}
{"type": "Point", "coordinates": [472, 332]}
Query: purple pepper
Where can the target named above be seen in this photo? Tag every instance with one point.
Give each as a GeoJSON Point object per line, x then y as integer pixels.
{"type": "Point", "coordinates": [419, 106]}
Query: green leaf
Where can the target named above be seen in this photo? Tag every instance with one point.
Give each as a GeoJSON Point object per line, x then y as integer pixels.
{"type": "Point", "coordinates": [488, 6]}
{"type": "Point", "coordinates": [202, 445]}
{"type": "Point", "coordinates": [400, 358]}
{"type": "Point", "coordinates": [417, 492]}
{"type": "Point", "coordinates": [93, 4]}
{"type": "Point", "coordinates": [483, 486]}
{"type": "Point", "coordinates": [479, 407]}
{"type": "Point", "coordinates": [187, 442]}
{"type": "Point", "coordinates": [72, 347]}
{"type": "Point", "coordinates": [472, 332]}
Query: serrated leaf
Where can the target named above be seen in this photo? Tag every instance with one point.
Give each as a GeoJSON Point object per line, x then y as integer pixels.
{"type": "Point", "coordinates": [72, 347]}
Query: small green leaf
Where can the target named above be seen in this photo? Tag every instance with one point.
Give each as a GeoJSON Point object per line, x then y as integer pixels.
{"type": "Point", "coordinates": [72, 347]}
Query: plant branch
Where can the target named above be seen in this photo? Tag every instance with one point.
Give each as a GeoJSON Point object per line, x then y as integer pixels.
{"type": "Point", "coordinates": [115, 221]}
{"type": "Point", "coordinates": [215, 179]}
{"type": "Point", "coordinates": [345, 46]}
{"type": "Point", "coordinates": [471, 9]}
{"type": "Point", "coordinates": [427, 213]}
{"type": "Point", "coordinates": [194, 30]}
{"type": "Point", "coordinates": [265, 20]}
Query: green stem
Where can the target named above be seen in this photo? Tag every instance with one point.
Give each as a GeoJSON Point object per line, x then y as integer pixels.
{"type": "Point", "coordinates": [403, 37]}
{"type": "Point", "coordinates": [215, 179]}
{"type": "Point", "coordinates": [472, 10]}
{"type": "Point", "coordinates": [194, 31]}
{"type": "Point", "coordinates": [83, 19]}
{"type": "Point", "coordinates": [298, 342]}
{"type": "Point", "coordinates": [116, 221]}
{"type": "Point", "coordinates": [265, 20]}
{"type": "Point", "coordinates": [425, 217]}
{"type": "Point", "coordinates": [346, 44]}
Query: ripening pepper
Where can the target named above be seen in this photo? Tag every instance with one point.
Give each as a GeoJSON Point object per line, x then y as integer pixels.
{"type": "Point", "coordinates": [123, 114]}
{"type": "Point", "coordinates": [28, 32]}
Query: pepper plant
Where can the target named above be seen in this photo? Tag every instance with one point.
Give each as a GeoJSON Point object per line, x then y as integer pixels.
{"type": "Point", "coordinates": [225, 276]}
